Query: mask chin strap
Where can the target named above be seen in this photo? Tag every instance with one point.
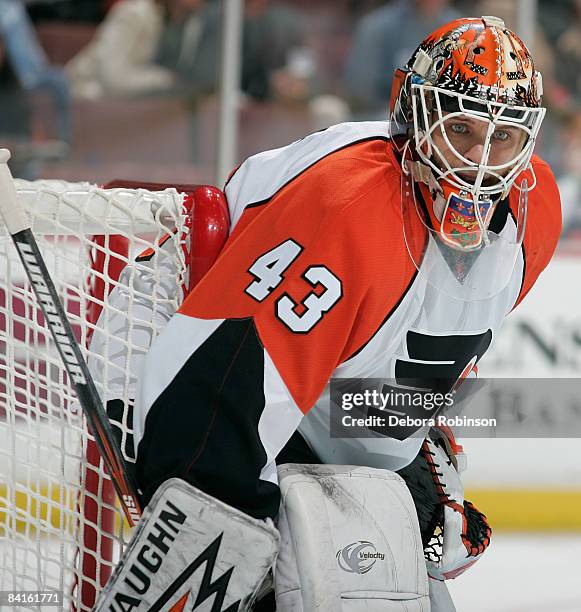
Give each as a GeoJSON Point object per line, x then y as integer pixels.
{"type": "Point", "coordinates": [480, 220]}
{"type": "Point", "coordinates": [421, 173]}
{"type": "Point", "coordinates": [527, 188]}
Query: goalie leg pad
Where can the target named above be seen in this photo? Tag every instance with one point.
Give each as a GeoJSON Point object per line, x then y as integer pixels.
{"type": "Point", "coordinates": [440, 600]}
{"type": "Point", "coordinates": [189, 547]}
{"type": "Point", "coordinates": [350, 542]}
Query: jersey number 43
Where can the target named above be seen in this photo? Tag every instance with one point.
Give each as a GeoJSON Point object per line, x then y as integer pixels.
{"type": "Point", "coordinates": [300, 317]}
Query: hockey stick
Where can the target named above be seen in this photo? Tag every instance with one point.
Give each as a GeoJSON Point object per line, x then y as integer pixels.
{"type": "Point", "coordinates": [68, 348]}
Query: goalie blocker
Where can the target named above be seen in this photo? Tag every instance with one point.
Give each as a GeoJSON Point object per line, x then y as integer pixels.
{"type": "Point", "coordinates": [188, 548]}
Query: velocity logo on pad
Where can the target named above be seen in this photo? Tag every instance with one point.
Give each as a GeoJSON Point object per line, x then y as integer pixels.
{"type": "Point", "coordinates": [358, 557]}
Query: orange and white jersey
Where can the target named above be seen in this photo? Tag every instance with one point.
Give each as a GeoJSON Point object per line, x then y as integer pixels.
{"type": "Point", "coordinates": [316, 282]}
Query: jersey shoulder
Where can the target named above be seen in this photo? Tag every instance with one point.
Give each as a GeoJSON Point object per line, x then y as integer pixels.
{"type": "Point", "coordinates": [546, 187]}
{"type": "Point", "coordinates": [544, 221]}
{"type": "Point", "coordinates": [354, 185]}
{"type": "Point", "coordinates": [333, 166]}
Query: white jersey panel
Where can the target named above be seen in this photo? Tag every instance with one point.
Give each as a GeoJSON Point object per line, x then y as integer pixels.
{"type": "Point", "coordinates": [261, 176]}
{"type": "Point", "coordinates": [428, 312]}
{"type": "Point", "coordinates": [279, 419]}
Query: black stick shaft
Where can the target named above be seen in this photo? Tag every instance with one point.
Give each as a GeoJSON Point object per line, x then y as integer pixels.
{"type": "Point", "coordinates": [78, 372]}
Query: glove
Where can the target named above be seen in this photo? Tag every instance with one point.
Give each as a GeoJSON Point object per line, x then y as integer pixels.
{"type": "Point", "coordinates": [454, 533]}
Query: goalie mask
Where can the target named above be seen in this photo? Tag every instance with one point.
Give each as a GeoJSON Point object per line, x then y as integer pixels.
{"type": "Point", "coordinates": [469, 102]}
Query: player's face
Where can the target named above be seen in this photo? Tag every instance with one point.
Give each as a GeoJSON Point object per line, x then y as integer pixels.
{"type": "Point", "coordinates": [465, 137]}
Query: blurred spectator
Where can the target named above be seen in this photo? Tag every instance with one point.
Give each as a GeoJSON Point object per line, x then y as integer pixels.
{"type": "Point", "coordinates": [276, 60]}
{"type": "Point", "coordinates": [358, 8]}
{"type": "Point", "coordinates": [279, 65]}
{"type": "Point", "coordinates": [30, 65]}
{"type": "Point", "coordinates": [15, 118]}
{"type": "Point", "coordinates": [119, 60]}
{"type": "Point", "coordinates": [383, 41]}
{"type": "Point", "coordinates": [189, 44]}
{"type": "Point", "coordinates": [91, 11]}
{"type": "Point", "coordinates": [568, 48]}
{"type": "Point", "coordinates": [553, 16]}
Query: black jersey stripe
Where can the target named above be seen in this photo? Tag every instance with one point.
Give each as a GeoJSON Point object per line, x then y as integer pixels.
{"type": "Point", "coordinates": [203, 427]}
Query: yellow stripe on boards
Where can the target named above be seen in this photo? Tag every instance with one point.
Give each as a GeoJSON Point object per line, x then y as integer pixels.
{"type": "Point", "coordinates": [47, 510]}
{"type": "Point", "coordinates": [54, 509]}
{"type": "Point", "coordinates": [43, 508]}
{"type": "Point", "coordinates": [529, 509]}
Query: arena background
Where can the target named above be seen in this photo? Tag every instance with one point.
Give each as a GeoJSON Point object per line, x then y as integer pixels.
{"type": "Point", "coordinates": [78, 119]}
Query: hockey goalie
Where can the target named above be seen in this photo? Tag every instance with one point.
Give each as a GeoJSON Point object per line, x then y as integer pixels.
{"type": "Point", "coordinates": [368, 250]}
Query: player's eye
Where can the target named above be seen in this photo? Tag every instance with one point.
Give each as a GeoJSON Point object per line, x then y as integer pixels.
{"type": "Point", "coordinates": [459, 128]}
{"type": "Point", "coordinates": [501, 135]}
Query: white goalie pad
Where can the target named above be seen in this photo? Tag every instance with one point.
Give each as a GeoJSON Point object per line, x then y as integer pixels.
{"type": "Point", "coordinates": [350, 542]}
{"type": "Point", "coordinates": [191, 550]}
{"type": "Point", "coordinates": [440, 600]}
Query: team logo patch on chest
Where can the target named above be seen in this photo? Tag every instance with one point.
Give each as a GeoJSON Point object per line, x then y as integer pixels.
{"type": "Point", "coordinates": [434, 365]}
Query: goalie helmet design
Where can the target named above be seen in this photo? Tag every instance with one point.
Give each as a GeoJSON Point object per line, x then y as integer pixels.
{"type": "Point", "coordinates": [469, 101]}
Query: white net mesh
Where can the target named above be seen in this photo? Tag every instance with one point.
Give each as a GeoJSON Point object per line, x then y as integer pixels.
{"type": "Point", "coordinates": [60, 527]}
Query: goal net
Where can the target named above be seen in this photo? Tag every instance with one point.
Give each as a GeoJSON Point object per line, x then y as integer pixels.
{"type": "Point", "coordinates": [60, 526]}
